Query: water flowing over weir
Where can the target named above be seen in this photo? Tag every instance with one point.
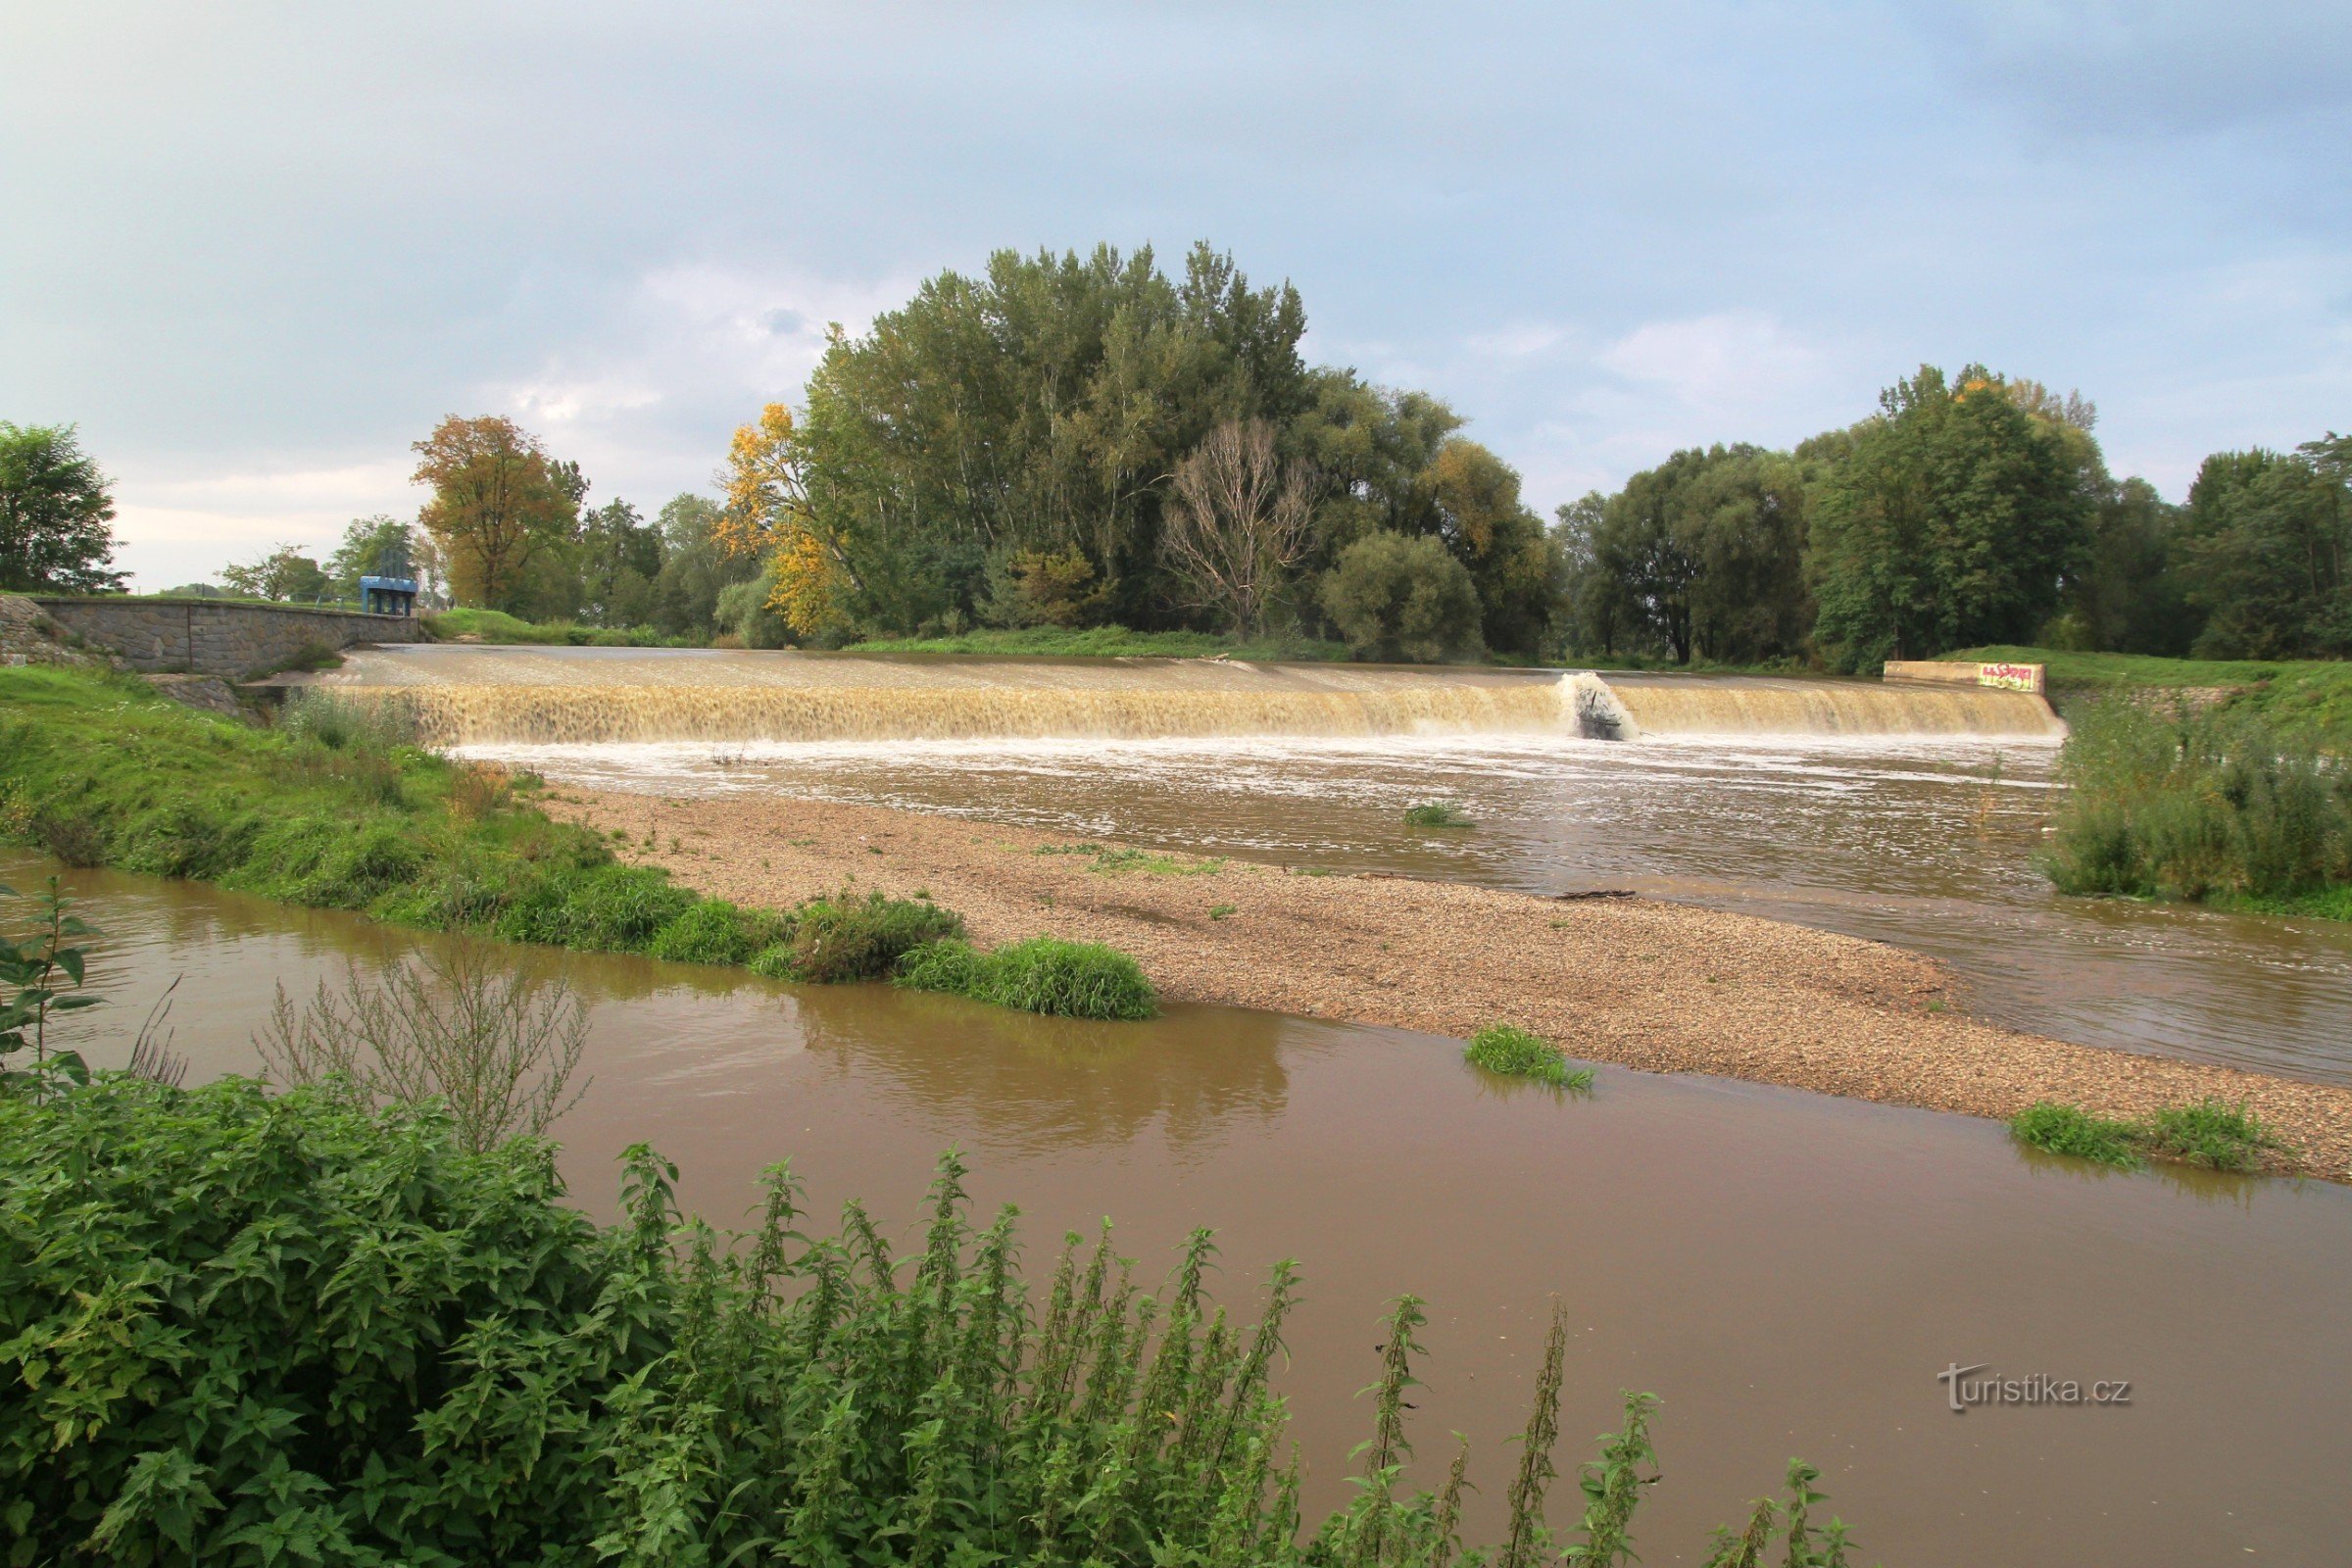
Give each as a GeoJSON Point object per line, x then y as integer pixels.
{"type": "Point", "coordinates": [465, 696]}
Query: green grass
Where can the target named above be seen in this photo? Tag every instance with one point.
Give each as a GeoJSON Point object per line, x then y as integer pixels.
{"type": "Point", "coordinates": [846, 936]}
{"type": "Point", "coordinates": [497, 626]}
{"type": "Point", "coordinates": [2210, 1132]}
{"type": "Point", "coordinates": [1107, 642]}
{"type": "Point", "coordinates": [1043, 974]}
{"type": "Point", "coordinates": [1436, 813]}
{"type": "Point", "coordinates": [1511, 1050]}
{"type": "Point", "coordinates": [336, 810]}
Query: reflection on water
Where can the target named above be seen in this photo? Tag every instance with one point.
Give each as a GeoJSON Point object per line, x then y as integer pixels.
{"type": "Point", "coordinates": [1787, 1271]}
{"type": "Point", "coordinates": [1929, 845]}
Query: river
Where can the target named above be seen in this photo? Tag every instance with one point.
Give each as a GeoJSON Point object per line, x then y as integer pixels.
{"type": "Point", "coordinates": [1789, 1272]}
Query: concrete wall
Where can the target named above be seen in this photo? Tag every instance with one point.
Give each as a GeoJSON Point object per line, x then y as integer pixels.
{"type": "Point", "coordinates": [1953, 672]}
{"type": "Point", "coordinates": [206, 638]}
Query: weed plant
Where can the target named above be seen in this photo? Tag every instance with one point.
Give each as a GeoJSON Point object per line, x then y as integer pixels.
{"type": "Point", "coordinates": [2210, 1132]}
{"type": "Point", "coordinates": [1436, 813]}
{"type": "Point", "coordinates": [2217, 806]}
{"type": "Point", "coordinates": [241, 1328]}
{"type": "Point", "coordinates": [1043, 974]}
{"type": "Point", "coordinates": [1506, 1048]}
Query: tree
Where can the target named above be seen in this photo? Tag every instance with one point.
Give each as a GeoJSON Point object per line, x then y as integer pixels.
{"type": "Point", "coordinates": [2131, 596]}
{"type": "Point", "coordinates": [499, 501]}
{"type": "Point", "coordinates": [766, 516]}
{"type": "Point", "coordinates": [1236, 525]}
{"type": "Point", "coordinates": [55, 506]}
{"type": "Point", "coordinates": [371, 547]}
{"type": "Point", "coordinates": [1474, 506]}
{"type": "Point", "coordinates": [1040, 407]}
{"type": "Point", "coordinates": [695, 567]}
{"type": "Point", "coordinates": [2266, 537]}
{"type": "Point", "coordinates": [1954, 516]}
{"type": "Point", "coordinates": [1398, 598]}
{"type": "Point", "coordinates": [282, 575]}
{"type": "Point", "coordinates": [1705, 554]}
{"type": "Point", "coordinates": [618, 556]}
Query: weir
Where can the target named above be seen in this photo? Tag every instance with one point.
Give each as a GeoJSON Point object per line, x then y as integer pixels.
{"type": "Point", "coordinates": [573, 696]}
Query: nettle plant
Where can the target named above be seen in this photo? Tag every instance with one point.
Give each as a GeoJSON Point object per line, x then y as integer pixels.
{"type": "Point", "coordinates": [41, 971]}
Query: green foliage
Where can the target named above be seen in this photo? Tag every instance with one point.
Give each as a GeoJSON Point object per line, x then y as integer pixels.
{"type": "Point", "coordinates": [245, 1330]}
{"type": "Point", "coordinates": [1511, 1050]}
{"type": "Point", "coordinates": [1036, 408]}
{"type": "Point", "coordinates": [1043, 974]}
{"type": "Point", "coordinates": [343, 724]}
{"type": "Point", "coordinates": [2266, 537]}
{"type": "Point", "coordinates": [2210, 1132]}
{"type": "Point", "coordinates": [1952, 518]}
{"type": "Point", "coordinates": [2216, 806]}
{"type": "Point", "coordinates": [1702, 555]}
{"type": "Point", "coordinates": [1436, 813]}
{"type": "Point", "coordinates": [714, 931]}
{"type": "Point", "coordinates": [2057, 1129]}
{"type": "Point", "coordinates": [1395, 598]}
{"type": "Point", "coordinates": [55, 506]}
{"type": "Point", "coordinates": [41, 974]}
{"type": "Point", "coordinates": [846, 936]}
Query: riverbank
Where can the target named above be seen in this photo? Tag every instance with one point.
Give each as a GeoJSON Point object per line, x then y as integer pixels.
{"type": "Point", "coordinates": [1638, 983]}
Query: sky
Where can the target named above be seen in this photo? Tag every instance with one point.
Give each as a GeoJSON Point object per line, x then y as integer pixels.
{"type": "Point", "coordinates": [254, 251]}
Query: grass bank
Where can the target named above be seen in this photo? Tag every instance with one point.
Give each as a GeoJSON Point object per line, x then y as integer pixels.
{"type": "Point", "coordinates": [1107, 642]}
{"type": "Point", "coordinates": [335, 810]}
{"type": "Point", "coordinates": [434, 1359]}
{"type": "Point", "coordinates": [497, 626]}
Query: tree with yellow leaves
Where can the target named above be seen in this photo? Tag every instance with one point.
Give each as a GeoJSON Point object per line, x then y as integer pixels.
{"type": "Point", "coordinates": [767, 514]}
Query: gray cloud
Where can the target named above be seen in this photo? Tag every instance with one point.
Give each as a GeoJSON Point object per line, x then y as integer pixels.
{"type": "Point", "coordinates": [258, 249]}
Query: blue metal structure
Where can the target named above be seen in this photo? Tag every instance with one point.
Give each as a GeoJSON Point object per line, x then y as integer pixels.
{"type": "Point", "coordinates": [388, 595]}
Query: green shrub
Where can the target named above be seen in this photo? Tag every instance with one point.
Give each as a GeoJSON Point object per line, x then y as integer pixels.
{"type": "Point", "coordinates": [1439, 813]}
{"type": "Point", "coordinates": [1507, 1049]}
{"type": "Point", "coordinates": [1396, 598]}
{"type": "Point", "coordinates": [846, 936]}
{"type": "Point", "coordinates": [2209, 1133]}
{"type": "Point", "coordinates": [2218, 807]}
{"type": "Point", "coordinates": [238, 1329]}
{"type": "Point", "coordinates": [1043, 974]}
{"type": "Point", "coordinates": [2057, 1129]}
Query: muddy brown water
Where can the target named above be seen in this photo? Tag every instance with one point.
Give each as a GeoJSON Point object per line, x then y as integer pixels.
{"type": "Point", "coordinates": [1927, 842]}
{"type": "Point", "coordinates": [1788, 1272]}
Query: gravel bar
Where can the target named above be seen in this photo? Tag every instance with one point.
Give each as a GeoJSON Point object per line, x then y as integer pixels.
{"type": "Point", "coordinates": [1644, 984]}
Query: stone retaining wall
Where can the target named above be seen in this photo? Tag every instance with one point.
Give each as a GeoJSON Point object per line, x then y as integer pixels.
{"type": "Point", "coordinates": [200, 637]}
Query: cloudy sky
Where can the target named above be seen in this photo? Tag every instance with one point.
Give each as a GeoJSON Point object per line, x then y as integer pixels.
{"type": "Point", "coordinates": [255, 249]}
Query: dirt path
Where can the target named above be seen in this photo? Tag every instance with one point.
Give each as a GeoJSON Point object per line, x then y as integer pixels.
{"type": "Point", "coordinates": [1661, 987]}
